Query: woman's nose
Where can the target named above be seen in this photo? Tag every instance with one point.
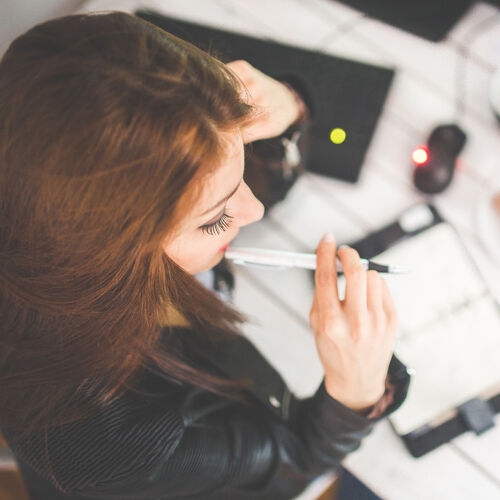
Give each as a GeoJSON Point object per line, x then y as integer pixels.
{"type": "Point", "coordinates": [251, 209]}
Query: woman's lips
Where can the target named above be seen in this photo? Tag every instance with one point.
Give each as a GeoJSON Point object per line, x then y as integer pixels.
{"type": "Point", "coordinates": [224, 248]}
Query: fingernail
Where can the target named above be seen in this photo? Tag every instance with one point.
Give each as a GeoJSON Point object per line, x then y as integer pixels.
{"type": "Point", "coordinates": [342, 246]}
{"type": "Point", "coordinates": [328, 237]}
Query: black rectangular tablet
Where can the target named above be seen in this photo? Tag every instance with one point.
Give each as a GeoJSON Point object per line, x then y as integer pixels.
{"type": "Point", "coordinates": [340, 93]}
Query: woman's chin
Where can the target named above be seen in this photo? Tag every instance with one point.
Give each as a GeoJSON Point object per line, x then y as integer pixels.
{"type": "Point", "coordinates": [216, 259]}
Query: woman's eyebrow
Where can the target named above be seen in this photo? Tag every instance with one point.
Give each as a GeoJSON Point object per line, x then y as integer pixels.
{"type": "Point", "coordinates": [223, 199]}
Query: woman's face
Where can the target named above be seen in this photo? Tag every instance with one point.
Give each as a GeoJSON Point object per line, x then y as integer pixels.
{"type": "Point", "coordinates": [226, 203]}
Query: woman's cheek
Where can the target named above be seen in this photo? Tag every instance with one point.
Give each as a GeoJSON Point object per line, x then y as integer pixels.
{"type": "Point", "coordinates": [202, 253]}
{"type": "Point", "coordinates": [182, 253]}
{"type": "Point", "coordinates": [197, 251]}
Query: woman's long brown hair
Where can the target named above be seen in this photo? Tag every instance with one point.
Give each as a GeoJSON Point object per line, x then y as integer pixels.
{"type": "Point", "coordinates": [108, 125]}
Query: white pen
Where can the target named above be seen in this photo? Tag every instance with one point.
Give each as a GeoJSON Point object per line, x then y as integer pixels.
{"type": "Point", "coordinates": [277, 259]}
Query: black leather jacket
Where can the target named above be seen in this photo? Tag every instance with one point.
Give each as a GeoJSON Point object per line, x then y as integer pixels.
{"type": "Point", "coordinates": [180, 441]}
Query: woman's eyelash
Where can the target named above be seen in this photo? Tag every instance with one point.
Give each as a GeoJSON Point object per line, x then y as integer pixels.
{"type": "Point", "coordinates": [219, 225]}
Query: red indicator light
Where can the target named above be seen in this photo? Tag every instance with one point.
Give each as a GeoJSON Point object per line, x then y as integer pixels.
{"type": "Point", "coordinates": [420, 155]}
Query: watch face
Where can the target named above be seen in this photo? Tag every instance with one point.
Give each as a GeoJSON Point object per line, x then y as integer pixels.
{"type": "Point", "coordinates": [292, 156]}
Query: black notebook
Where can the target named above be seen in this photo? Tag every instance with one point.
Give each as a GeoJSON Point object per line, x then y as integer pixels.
{"type": "Point", "coordinates": [340, 93]}
{"type": "Point", "coordinates": [449, 329]}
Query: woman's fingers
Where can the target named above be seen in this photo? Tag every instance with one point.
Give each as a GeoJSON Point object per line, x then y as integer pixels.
{"type": "Point", "coordinates": [356, 281]}
{"type": "Point", "coordinates": [327, 297]}
{"type": "Point", "coordinates": [374, 297]}
{"type": "Point", "coordinates": [313, 314]}
{"type": "Point", "coordinates": [275, 105]}
{"type": "Point", "coordinates": [389, 306]}
{"type": "Point", "coordinates": [354, 337]}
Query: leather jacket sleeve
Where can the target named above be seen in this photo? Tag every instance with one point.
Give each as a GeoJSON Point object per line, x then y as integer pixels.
{"type": "Point", "coordinates": [225, 446]}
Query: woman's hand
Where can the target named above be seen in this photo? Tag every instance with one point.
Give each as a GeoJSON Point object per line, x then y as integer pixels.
{"type": "Point", "coordinates": [355, 336]}
{"type": "Point", "coordinates": [277, 107]}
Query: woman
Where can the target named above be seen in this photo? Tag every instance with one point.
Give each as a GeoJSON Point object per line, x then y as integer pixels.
{"type": "Point", "coordinates": [121, 376]}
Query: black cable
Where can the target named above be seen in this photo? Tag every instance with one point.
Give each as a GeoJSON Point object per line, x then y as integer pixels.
{"type": "Point", "coordinates": [463, 54]}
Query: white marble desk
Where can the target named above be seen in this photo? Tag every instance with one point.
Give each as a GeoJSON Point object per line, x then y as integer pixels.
{"type": "Point", "coordinates": [422, 95]}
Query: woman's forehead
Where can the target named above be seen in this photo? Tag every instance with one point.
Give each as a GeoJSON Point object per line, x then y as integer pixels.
{"type": "Point", "coordinates": [222, 181]}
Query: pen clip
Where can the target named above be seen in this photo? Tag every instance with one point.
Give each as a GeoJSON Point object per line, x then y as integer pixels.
{"type": "Point", "coordinates": [266, 267]}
